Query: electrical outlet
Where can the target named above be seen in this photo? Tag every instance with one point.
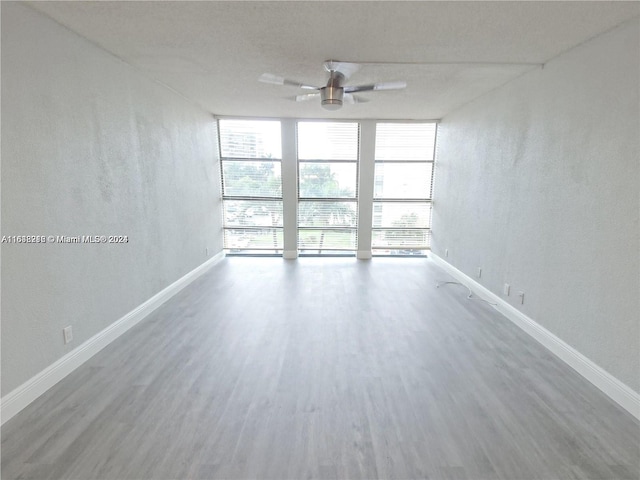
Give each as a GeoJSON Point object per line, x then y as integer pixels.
{"type": "Point", "coordinates": [521, 295]}
{"type": "Point", "coordinates": [67, 333]}
{"type": "Point", "coordinates": [479, 272]}
{"type": "Point", "coordinates": [446, 252]}
{"type": "Point", "coordinates": [506, 289]}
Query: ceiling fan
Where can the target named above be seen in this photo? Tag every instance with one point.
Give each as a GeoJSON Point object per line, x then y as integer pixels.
{"type": "Point", "coordinates": [334, 93]}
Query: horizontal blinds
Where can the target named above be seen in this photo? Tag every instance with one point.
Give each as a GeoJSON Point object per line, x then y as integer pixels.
{"type": "Point", "coordinates": [405, 141]}
{"type": "Point", "coordinates": [328, 141]}
{"type": "Point", "coordinates": [251, 179]}
{"type": "Point", "coordinates": [401, 215]}
{"type": "Point", "coordinates": [401, 239]}
{"type": "Point", "coordinates": [253, 239]}
{"type": "Point", "coordinates": [402, 180]}
{"type": "Point", "coordinates": [251, 152]}
{"type": "Point", "coordinates": [327, 186]}
{"type": "Point", "coordinates": [252, 213]}
{"type": "Point", "coordinates": [402, 188]}
{"type": "Point", "coordinates": [328, 180]}
{"type": "Point", "coordinates": [323, 240]}
{"type": "Point", "coordinates": [327, 214]}
{"type": "Point", "coordinates": [250, 138]}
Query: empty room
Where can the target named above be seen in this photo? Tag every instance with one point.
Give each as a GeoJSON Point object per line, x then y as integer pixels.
{"type": "Point", "coordinates": [320, 240]}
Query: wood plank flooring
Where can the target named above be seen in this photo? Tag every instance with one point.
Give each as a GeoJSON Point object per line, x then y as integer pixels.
{"type": "Point", "coordinates": [323, 368]}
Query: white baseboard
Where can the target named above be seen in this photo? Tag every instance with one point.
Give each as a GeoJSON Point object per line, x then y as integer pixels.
{"type": "Point", "coordinates": [290, 254]}
{"type": "Point", "coordinates": [21, 397]}
{"type": "Point", "coordinates": [364, 254]}
{"type": "Point", "coordinates": [610, 385]}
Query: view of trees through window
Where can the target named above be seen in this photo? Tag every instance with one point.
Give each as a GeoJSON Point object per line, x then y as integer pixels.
{"type": "Point", "coordinates": [328, 173]}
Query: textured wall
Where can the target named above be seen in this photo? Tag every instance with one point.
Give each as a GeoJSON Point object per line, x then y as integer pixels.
{"type": "Point", "coordinates": [89, 147]}
{"type": "Point", "coordinates": [538, 184]}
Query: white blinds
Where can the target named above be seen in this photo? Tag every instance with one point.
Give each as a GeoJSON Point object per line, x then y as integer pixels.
{"type": "Point", "coordinates": [250, 138]}
{"type": "Point", "coordinates": [402, 188]}
{"type": "Point", "coordinates": [250, 153]}
{"type": "Point", "coordinates": [327, 186]}
{"type": "Point", "coordinates": [327, 141]}
{"type": "Point", "coordinates": [405, 141]}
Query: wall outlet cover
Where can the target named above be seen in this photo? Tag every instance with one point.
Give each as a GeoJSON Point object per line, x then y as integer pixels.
{"type": "Point", "coordinates": [67, 333]}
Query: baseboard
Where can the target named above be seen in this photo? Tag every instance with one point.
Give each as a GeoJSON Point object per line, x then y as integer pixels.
{"type": "Point", "coordinates": [21, 397]}
{"type": "Point", "coordinates": [364, 254]}
{"type": "Point", "coordinates": [620, 393]}
{"type": "Point", "coordinates": [290, 254]}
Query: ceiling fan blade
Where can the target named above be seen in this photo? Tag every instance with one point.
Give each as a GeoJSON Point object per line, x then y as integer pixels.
{"type": "Point", "coordinates": [376, 86]}
{"type": "Point", "coordinates": [351, 99]}
{"type": "Point", "coordinates": [276, 80]}
{"type": "Point", "coordinates": [345, 68]}
{"type": "Point", "coordinates": [307, 96]}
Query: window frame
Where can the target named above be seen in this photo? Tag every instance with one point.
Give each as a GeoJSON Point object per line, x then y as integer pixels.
{"type": "Point", "coordinates": [303, 251]}
{"type": "Point", "coordinates": [275, 230]}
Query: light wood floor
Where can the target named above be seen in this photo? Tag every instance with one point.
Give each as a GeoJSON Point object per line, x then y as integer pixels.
{"type": "Point", "coordinates": [323, 368]}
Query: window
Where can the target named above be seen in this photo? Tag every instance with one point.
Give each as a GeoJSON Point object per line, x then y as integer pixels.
{"type": "Point", "coordinates": [327, 187]}
{"type": "Point", "coordinates": [402, 188]}
{"type": "Point", "coordinates": [250, 153]}
{"type": "Point", "coordinates": [322, 212]}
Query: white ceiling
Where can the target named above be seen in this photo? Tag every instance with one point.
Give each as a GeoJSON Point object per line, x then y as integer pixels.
{"type": "Point", "coordinates": [214, 52]}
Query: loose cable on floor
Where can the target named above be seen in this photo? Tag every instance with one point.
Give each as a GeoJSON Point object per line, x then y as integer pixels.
{"type": "Point", "coordinates": [471, 296]}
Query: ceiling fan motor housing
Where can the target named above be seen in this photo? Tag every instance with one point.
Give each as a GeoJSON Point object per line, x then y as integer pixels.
{"type": "Point", "coordinates": [332, 97]}
{"type": "Point", "coordinates": [333, 92]}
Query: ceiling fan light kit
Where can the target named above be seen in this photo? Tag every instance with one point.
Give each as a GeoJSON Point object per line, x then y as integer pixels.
{"type": "Point", "coordinates": [334, 93]}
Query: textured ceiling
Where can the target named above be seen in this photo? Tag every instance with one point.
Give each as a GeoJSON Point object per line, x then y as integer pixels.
{"type": "Point", "coordinates": [448, 52]}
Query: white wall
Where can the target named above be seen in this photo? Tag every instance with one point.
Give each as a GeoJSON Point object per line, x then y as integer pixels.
{"type": "Point", "coordinates": [90, 147]}
{"type": "Point", "coordinates": [538, 183]}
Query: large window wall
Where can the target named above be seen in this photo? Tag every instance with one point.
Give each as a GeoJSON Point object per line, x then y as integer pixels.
{"type": "Point", "coordinates": [333, 171]}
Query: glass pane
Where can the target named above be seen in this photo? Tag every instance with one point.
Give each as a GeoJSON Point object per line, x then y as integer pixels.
{"type": "Point", "coordinates": [398, 215]}
{"type": "Point", "coordinates": [320, 240]}
{"type": "Point", "coordinates": [333, 180]}
{"type": "Point", "coordinates": [327, 141]}
{"type": "Point", "coordinates": [251, 179]}
{"type": "Point", "coordinates": [249, 213]}
{"type": "Point", "coordinates": [327, 214]}
{"type": "Point", "coordinates": [405, 141]}
{"type": "Point", "coordinates": [400, 239]}
{"type": "Point", "coordinates": [250, 138]}
{"type": "Point", "coordinates": [253, 239]}
{"type": "Point", "coordinates": [402, 180]}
